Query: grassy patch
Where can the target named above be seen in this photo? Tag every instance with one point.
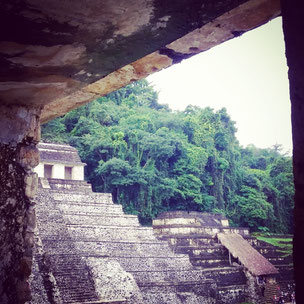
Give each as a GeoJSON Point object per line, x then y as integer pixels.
{"type": "Point", "coordinates": [284, 245]}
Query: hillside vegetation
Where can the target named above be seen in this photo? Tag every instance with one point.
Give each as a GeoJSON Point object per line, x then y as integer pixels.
{"type": "Point", "coordinates": [152, 160]}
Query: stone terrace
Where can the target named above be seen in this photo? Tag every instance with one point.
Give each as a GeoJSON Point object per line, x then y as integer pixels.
{"type": "Point", "coordinates": [196, 234]}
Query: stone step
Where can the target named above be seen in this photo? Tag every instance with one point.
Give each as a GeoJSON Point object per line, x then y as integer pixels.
{"type": "Point", "coordinates": [70, 297]}
{"type": "Point", "coordinates": [224, 280]}
{"type": "Point", "coordinates": [82, 197]}
{"type": "Point", "coordinates": [226, 275]}
{"type": "Point", "coordinates": [188, 292]}
{"type": "Point", "coordinates": [237, 292]}
{"type": "Point", "coordinates": [159, 297]}
{"type": "Point", "coordinates": [117, 301]}
{"type": "Point", "coordinates": [209, 263]}
{"type": "Point", "coordinates": [75, 262]}
{"type": "Point", "coordinates": [189, 240]}
{"type": "Point", "coordinates": [194, 226]}
{"type": "Point", "coordinates": [276, 260]}
{"type": "Point", "coordinates": [84, 239]}
{"type": "Point", "coordinates": [159, 264]}
{"type": "Point", "coordinates": [88, 208]}
{"type": "Point", "coordinates": [117, 220]}
{"type": "Point", "coordinates": [159, 223]}
{"type": "Point", "coordinates": [143, 278]}
{"type": "Point", "coordinates": [110, 248]}
{"type": "Point", "coordinates": [268, 251]}
{"type": "Point", "coordinates": [95, 234]}
{"type": "Point", "coordinates": [214, 251]}
{"type": "Point", "coordinates": [185, 230]}
{"type": "Point", "coordinates": [260, 243]}
{"type": "Point", "coordinates": [66, 185]}
{"type": "Point", "coordinates": [173, 297]}
{"type": "Point", "coordinates": [110, 232]}
{"type": "Point", "coordinates": [155, 286]}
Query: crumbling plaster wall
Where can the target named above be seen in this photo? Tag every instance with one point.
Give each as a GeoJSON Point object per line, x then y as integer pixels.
{"type": "Point", "coordinates": [20, 129]}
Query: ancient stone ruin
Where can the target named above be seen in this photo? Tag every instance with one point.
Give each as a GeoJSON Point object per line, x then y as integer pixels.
{"type": "Point", "coordinates": [59, 54]}
{"type": "Point", "coordinates": [87, 250]}
{"type": "Point", "coordinates": [214, 246]}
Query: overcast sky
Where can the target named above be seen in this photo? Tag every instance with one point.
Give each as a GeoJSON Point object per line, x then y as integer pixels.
{"type": "Point", "coordinates": [247, 75]}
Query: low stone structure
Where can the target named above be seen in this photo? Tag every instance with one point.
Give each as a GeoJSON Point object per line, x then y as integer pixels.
{"type": "Point", "coordinates": [211, 243]}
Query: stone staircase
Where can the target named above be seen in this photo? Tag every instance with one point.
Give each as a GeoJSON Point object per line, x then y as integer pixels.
{"type": "Point", "coordinates": [92, 252]}
{"type": "Point", "coordinates": [186, 235]}
{"type": "Point", "coordinates": [203, 250]}
{"type": "Point", "coordinates": [284, 264]}
{"type": "Point", "coordinates": [65, 275]}
{"type": "Point", "coordinates": [271, 290]}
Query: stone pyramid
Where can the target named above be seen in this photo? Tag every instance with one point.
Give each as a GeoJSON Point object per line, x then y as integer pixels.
{"type": "Point", "coordinates": [89, 251]}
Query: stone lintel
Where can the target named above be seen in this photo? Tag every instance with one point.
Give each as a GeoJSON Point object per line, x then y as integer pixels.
{"type": "Point", "coordinates": [231, 24]}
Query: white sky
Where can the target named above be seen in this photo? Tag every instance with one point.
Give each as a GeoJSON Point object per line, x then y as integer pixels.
{"type": "Point", "coordinates": [247, 75]}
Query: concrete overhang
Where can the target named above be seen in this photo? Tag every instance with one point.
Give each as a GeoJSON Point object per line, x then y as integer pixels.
{"type": "Point", "coordinates": [60, 54]}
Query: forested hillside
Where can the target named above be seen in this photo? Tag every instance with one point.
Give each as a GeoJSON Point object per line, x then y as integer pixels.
{"type": "Point", "coordinates": [152, 160]}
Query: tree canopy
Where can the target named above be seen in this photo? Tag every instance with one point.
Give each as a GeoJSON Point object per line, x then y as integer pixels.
{"type": "Point", "coordinates": [153, 160]}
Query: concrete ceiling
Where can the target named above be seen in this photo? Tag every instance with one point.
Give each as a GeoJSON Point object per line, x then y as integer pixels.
{"type": "Point", "coordinates": [60, 54]}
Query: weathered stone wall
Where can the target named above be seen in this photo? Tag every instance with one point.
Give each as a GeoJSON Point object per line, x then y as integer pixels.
{"type": "Point", "coordinates": [254, 293]}
{"type": "Point", "coordinates": [19, 134]}
{"type": "Point", "coordinates": [293, 26]}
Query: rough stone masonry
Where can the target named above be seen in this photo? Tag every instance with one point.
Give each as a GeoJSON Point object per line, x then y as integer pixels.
{"type": "Point", "coordinates": [20, 132]}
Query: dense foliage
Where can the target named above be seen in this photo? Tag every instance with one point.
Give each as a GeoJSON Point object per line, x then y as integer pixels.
{"type": "Point", "coordinates": [152, 160]}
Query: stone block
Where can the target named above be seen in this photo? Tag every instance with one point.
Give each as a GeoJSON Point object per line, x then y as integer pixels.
{"type": "Point", "coordinates": [23, 291]}
{"type": "Point", "coordinates": [28, 156]}
{"type": "Point", "coordinates": [31, 184]}
{"type": "Point", "coordinates": [31, 219]}
{"type": "Point", "coordinates": [29, 240]}
{"type": "Point", "coordinates": [25, 266]}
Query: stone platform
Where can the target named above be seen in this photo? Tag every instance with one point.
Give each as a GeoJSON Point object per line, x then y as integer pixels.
{"type": "Point", "coordinates": [244, 260]}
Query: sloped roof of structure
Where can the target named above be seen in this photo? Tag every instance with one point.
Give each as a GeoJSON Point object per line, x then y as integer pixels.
{"type": "Point", "coordinates": [247, 255]}
{"type": "Point", "coordinates": [58, 153]}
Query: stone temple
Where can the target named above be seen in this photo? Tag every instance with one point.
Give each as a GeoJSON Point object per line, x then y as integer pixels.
{"type": "Point", "coordinates": [87, 250]}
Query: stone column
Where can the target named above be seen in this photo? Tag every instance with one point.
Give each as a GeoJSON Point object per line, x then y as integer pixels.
{"type": "Point", "coordinates": [19, 134]}
{"type": "Point", "coordinates": [293, 26]}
